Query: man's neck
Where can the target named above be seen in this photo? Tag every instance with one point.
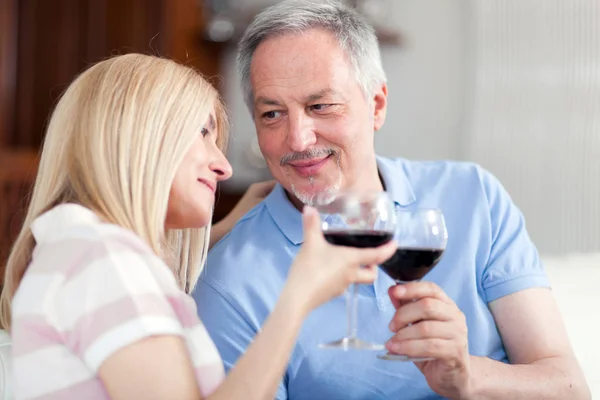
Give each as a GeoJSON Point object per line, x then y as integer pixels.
{"type": "Point", "coordinates": [294, 200]}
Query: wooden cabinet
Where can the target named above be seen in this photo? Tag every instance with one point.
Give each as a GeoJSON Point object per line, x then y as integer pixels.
{"type": "Point", "coordinates": [44, 44]}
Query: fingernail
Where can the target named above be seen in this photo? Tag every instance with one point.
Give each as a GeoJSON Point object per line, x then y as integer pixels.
{"type": "Point", "coordinates": [392, 347]}
{"type": "Point", "coordinates": [392, 326]}
{"type": "Point", "coordinates": [400, 290]}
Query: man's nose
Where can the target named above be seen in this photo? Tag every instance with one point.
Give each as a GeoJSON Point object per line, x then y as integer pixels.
{"type": "Point", "coordinates": [301, 135]}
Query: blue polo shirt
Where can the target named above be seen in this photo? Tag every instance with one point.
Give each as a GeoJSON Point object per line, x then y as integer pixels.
{"type": "Point", "coordinates": [489, 255]}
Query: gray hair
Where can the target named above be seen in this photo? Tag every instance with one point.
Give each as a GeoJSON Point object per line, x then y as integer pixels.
{"type": "Point", "coordinates": [355, 35]}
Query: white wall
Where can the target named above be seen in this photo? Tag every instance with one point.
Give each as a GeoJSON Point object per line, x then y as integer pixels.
{"type": "Point", "coordinates": [534, 113]}
{"type": "Point", "coordinates": [426, 81]}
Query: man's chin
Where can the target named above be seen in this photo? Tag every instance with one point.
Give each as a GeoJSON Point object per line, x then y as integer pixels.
{"type": "Point", "coordinates": [307, 194]}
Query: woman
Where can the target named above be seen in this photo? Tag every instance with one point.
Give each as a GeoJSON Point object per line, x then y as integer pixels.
{"type": "Point", "coordinates": [114, 238]}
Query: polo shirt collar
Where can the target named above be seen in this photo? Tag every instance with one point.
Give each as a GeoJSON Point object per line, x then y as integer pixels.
{"type": "Point", "coordinates": [289, 220]}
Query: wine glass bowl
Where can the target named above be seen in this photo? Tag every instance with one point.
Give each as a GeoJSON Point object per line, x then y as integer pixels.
{"type": "Point", "coordinates": [422, 237]}
{"type": "Point", "coordinates": [362, 220]}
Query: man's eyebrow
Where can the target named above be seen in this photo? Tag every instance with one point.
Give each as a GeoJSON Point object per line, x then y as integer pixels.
{"type": "Point", "coordinates": [319, 95]}
{"type": "Point", "coordinates": [261, 100]}
{"type": "Point", "coordinates": [266, 101]}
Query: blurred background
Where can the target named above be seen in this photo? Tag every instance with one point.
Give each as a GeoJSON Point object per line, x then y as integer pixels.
{"type": "Point", "coordinates": [511, 84]}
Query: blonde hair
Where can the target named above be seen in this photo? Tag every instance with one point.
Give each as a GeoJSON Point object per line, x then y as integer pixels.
{"type": "Point", "coordinates": [113, 144]}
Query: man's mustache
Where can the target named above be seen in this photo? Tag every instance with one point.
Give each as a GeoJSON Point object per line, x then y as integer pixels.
{"type": "Point", "coordinates": [307, 155]}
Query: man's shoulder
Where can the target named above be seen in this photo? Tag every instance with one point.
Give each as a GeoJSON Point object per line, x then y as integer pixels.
{"type": "Point", "coordinates": [243, 231]}
{"type": "Point", "coordinates": [451, 169]}
{"type": "Point", "coordinates": [257, 217]}
{"type": "Point", "coordinates": [249, 250]}
{"type": "Point", "coordinates": [449, 175]}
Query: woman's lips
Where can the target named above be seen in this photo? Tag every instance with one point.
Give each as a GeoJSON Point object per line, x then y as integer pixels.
{"type": "Point", "coordinates": [211, 185]}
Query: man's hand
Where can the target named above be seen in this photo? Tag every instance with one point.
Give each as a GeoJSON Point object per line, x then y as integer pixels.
{"type": "Point", "coordinates": [428, 324]}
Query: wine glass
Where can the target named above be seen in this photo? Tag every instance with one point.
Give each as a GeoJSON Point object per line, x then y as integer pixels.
{"type": "Point", "coordinates": [422, 236]}
{"type": "Point", "coordinates": [356, 219]}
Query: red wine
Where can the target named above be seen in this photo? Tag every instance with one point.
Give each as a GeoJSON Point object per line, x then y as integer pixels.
{"type": "Point", "coordinates": [409, 264]}
{"type": "Point", "coordinates": [361, 239]}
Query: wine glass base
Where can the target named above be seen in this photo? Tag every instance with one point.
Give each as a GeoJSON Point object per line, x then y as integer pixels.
{"type": "Point", "coordinates": [351, 344]}
{"type": "Point", "coordinates": [402, 358]}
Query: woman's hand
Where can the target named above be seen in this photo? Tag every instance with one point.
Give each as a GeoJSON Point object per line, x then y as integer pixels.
{"type": "Point", "coordinates": [322, 271]}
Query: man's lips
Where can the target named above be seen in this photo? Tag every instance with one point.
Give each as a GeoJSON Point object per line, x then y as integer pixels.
{"type": "Point", "coordinates": [211, 185]}
{"type": "Point", "coordinates": [308, 167]}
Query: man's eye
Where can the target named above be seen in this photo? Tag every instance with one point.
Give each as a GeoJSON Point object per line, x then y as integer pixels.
{"type": "Point", "coordinates": [271, 114]}
{"type": "Point", "coordinates": [320, 107]}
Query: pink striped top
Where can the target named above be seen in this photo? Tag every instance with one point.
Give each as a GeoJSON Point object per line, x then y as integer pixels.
{"type": "Point", "coordinates": [91, 289]}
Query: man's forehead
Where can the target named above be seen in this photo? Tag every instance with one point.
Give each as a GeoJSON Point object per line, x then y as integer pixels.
{"type": "Point", "coordinates": [314, 49]}
{"type": "Point", "coordinates": [307, 97]}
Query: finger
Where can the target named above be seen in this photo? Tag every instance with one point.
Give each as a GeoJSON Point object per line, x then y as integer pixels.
{"type": "Point", "coordinates": [417, 290]}
{"type": "Point", "coordinates": [366, 274]}
{"type": "Point", "coordinates": [427, 330]}
{"type": "Point", "coordinates": [376, 255]}
{"type": "Point", "coordinates": [440, 349]}
{"type": "Point", "coordinates": [311, 223]}
{"type": "Point", "coordinates": [427, 309]}
{"type": "Point", "coordinates": [395, 301]}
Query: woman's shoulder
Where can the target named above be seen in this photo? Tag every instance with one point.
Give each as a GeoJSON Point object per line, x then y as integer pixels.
{"type": "Point", "coordinates": [84, 257]}
{"type": "Point", "coordinates": [70, 238]}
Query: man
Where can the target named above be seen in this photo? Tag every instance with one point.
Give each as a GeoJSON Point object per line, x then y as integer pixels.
{"type": "Point", "coordinates": [313, 81]}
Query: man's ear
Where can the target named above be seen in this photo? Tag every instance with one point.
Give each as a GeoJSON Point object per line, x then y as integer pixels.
{"type": "Point", "coordinates": [380, 106]}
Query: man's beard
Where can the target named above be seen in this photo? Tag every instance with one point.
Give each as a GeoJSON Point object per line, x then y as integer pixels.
{"type": "Point", "coordinates": [310, 198]}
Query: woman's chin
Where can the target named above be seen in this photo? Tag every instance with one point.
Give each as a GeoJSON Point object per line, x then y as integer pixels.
{"type": "Point", "coordinates": [195, 220]}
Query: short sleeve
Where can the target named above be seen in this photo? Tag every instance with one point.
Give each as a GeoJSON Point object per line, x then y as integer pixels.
{"type": "Point", "coordinates": [513, 263]}
{"type": "Point", "coordinates": [118, 297]}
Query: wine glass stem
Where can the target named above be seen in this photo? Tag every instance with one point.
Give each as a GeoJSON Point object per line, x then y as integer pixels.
{"type": "Point", "coordinates": [352, 308]}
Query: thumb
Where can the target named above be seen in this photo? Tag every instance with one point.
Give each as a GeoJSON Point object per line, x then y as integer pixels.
{"type": "Point", "coordinates": [311, 222]}
{"type": "Point", "coordinates": [396, 301]}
